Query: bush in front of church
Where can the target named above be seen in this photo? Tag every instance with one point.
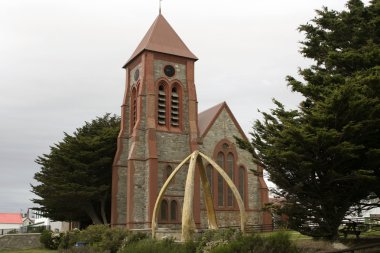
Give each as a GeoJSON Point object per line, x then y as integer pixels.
{"type": "Point", "coordinates": [217, 241]}
{"type": "Point", "coordinates": [50, 240]}
{"type": "Point", "coordinates": [95, 238]}
{"type": "Point", "coordinates": [168, 245]}
{"type": "Point", "coordinates": [278, 242]}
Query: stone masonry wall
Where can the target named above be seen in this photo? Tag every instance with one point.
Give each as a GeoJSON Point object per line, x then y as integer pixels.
{"type": "Point", "coordinates": [20, 241]}
{"type": "Point", "coordinates": [225, 128]}
{"type": "Point", "coordinates": [172, 148]}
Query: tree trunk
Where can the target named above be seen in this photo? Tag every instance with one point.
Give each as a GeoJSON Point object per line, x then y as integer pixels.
{"type": "Point", "coordinates": [102, 209]}
{"type": "Point", "coordinates": [90, 211]}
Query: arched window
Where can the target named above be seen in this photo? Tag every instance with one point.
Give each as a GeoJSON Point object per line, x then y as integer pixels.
{"type": "Point", "coordinates": [242, 182]}
{"type": "Point", "coordinates": [226, 156]}
{"type": "Point", "coordinates": [167, 172]}
{"type": "Point", "coordinates": [164, 210]}
{"type": "Point", "coordinates": [209, 172]}
{"type": "Point", "coordinates": [230, 172]}
{"type": "Point", "coordinates": [169, 105]}
{"type": "Point", "coordinates": [134, 107]}
{"type": "Point", "coordinates": [161, 110]}
{"type": "Point", "coordinates": [173, 210]}
{"type": "Point", "coordinates": [220, 161]}
{"type": "Point", "coordinates": [174, 116]}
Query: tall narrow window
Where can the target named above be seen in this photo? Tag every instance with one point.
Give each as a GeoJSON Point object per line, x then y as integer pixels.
{"type": "Point", "coordinates": [161, 114]}
{"type": "Point", "coordinates": [220, 161]}
{"type": "Point", "coordinates": [174, 118]}
{"type": "Point", "coordinates": [164, 210]}
{"type": "Point", "coordinates": [173, 210]}
{"type": "Point", "coordinates": [209, 172]}
{"type": "Point", "coordinates": [167, 172]}
{"type": "Point", "coordinates": [134, 107]}
{"type": "Point", "coordinates": [230, 172]}
{"type": "Point", "coordinates": [242, 181]}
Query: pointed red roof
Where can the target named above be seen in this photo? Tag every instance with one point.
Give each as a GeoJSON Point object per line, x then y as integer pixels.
{"type": "Point", "coordinates": [206, 117]}
{"type": "Point", "coordinates": [162, 38]}
{"type": "Point", "coordinates": [10, 218]}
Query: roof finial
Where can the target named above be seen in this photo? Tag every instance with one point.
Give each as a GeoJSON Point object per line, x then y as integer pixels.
{"type": "Point", "coordinates": [160, 7]}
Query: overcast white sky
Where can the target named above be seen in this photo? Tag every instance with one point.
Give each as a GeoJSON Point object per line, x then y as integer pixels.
{"type": "Point", "coordinates": [60, 65]}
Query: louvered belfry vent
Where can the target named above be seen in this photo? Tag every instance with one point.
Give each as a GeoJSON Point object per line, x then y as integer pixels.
{"type": "Point", "coordinates": [161, 105]}
{"type": "Point", "coordinates": [174, 119]}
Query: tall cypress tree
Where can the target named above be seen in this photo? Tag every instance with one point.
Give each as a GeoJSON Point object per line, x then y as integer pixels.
{"type": "Point", "coordinates": [325, 156]}
{"type": "Point", "coordinates": [75, 177]}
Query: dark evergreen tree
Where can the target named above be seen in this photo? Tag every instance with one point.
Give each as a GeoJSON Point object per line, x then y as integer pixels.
{"type": "Point", "coordinates": [325, 156]}
{"type": "Point", "coordinates": [75, 177]}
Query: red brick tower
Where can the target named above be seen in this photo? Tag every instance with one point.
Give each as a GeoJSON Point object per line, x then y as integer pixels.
{"type": "Point", "coordinates": [159, 127]}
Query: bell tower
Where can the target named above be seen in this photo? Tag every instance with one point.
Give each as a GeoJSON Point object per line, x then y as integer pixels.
{"type": "Point", "coordinates": [159, 125]}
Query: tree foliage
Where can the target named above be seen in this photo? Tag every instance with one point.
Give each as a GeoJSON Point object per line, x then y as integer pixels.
{"type": "Point", "coordinates": [75, 177]}
{"type": "Point", "coordinates": [325, 156]}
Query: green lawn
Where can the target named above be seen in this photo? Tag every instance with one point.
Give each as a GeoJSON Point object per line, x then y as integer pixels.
{"type": "Point", "coordinates": [374, 232]}
{"type": "Point", "coordinates": [28, 251]}
{"type": "Point", "coordinates": [294, 235]}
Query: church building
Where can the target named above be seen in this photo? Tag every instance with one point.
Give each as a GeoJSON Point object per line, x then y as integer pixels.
{"type": "Point", "coordinates": [161, 126]}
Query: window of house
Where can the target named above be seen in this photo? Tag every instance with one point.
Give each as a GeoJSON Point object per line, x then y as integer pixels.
{"type": "Point", "coordinates": [230, 172]}
{"type": "Point", "coordinates": [167, 172]}
{"type": "Point", "coordinates": [134, 107]}
{"type": "Point", "coordinates": [173, 210]}
{"type": "Point", "coordinates": [161, 114]}
{"type": "Point", "coordinates": [226, 158]}
{"type": "Point", "coordinates": [174, 116]}
{"type": "Point", "coordinates": [169, 211]}
{"type": "Point", "coordinates": [220, 161]}
{"type": "Point", "coordinates": [169, 105]}
{"type": "Point", "coordinates": [164, 210]}
{"type": "Point", "coordinates": [242, 182]}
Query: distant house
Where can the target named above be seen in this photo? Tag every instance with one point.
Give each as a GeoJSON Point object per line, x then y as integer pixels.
{"type": "Point", "coordinates": [27, 221]}
{"type": "Point", "coordinates": [10, 221]}
{"type": "Point", "coordinates": [58, 226]}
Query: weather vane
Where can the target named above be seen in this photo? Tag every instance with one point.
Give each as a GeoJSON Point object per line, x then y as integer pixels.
{"type": "Point", "coordinates": [160, 6]}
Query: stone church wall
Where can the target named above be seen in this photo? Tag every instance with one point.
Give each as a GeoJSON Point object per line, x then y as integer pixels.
{"type": "Point", "coordinates": [224, 128]}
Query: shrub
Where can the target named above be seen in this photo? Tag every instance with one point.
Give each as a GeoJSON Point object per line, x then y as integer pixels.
{"type": "Point", "coordinates": [69, 238]}
{"type": "Point", "coordinates": [101, 238]}
{"type": "Point", "coordinates": [50, 240]}
{"type": "Point", "coordinates": [190, 246]}
{"type": "Point", "coordinates": [135, 237]}
{"type": "Point", "coordinates": [96, 238]}
{"type": "Point", "coordinates": [156, 246]}
{"type": "Point", "coordinates": [223, 248]}
{"type": "Point", "coordinates": [112, 239]}
{"type": "Point", "coordinates": [279, 243]}
{"type": "Point", "coordinates": [93, 234]}
{"type": "Point", "coordinates": [276, 243]}
{"type": "Point", "coordinates": [210, 239]}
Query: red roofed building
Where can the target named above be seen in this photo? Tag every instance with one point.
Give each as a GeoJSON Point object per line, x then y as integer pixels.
{"type": "Point", "coordinates": [161, 126]}
{"type": "Point", "coordinates": [10, 220]}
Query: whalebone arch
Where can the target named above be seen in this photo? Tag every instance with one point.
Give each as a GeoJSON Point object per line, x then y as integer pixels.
{"type": "Point", "coordinates": [188, 224]}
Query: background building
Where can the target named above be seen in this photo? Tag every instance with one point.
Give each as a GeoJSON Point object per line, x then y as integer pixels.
{"type": "Point", "coordinates": [9, 222]}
